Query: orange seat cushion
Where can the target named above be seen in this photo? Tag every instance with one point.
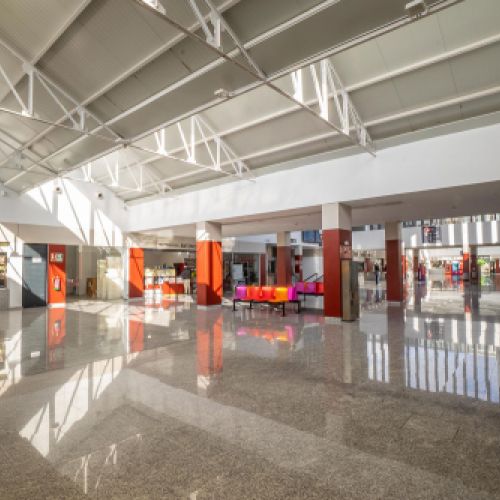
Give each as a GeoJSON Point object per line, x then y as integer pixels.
{"type": "Point", "coordinates": [253, 293]}
{"type": "Point", "coordinates": [268, 293]}
{"type": "Point", "coordinates": [281, 294]}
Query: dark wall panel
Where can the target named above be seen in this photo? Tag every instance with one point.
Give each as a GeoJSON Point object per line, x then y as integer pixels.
{"type": "Point", "coordinates": [34, 275]}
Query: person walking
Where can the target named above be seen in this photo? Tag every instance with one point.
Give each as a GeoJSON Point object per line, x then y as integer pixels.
{"type": "Point", "coordinates": [186, 280]}
{"type": "Point", "coordinates": [377, 274]}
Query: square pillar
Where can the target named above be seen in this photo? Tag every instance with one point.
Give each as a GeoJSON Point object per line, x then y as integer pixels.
{"type": "Point", "coordinates": [337, 236]}
{"type": "Point", "coordinates": [466, 263]}
{"type": "Point", "coordinates": [135, 273]}
{"type": "Point", "coordinates": [394, 274]}
{"type": "Point", "coordinates": [475, 271]}
{"type": "Point", "coordinates": [284, 259]}
{"type": "Point", "coordinates": [209, 264]}
{"type": "Point", "coordinates": [262, 269]}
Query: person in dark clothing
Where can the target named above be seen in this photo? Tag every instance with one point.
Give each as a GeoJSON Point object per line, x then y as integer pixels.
{"type": "Point", "coordinates": [377, 274]}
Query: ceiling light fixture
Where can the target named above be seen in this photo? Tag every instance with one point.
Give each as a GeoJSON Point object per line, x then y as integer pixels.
{"type": "Point", "coordinates": [223, 94]}
{"type": "Point", "coordinates": [416, 8]}
{"type": "Point", "coordinates": [155, 4]}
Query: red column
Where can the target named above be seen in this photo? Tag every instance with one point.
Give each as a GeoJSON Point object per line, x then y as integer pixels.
{"type": "Point", "coordinates": [497, 266]}
{"type": "Point", "coordinates": [284, 259]}
{"type": "Point", "coordinates": [262, 270]}
{"type": "Point", "coordinates": [337, 244]}
{"type": "Point", "coordinates": [394, 274]}
{"type": "Point", "coordinates": [415, 264]}
{"type": "Point", "coordinates": [56, 275]}
{"type": "Point", "coordinates": [284, 266]}
{"type": "Point", "coordinates": [208, 264]}
{"type": "Point", "coordinates": [474, 268]}
{"type": "Point", "coordinates": [466, 265]}
{"type": "Point", "coordinates": [136, 273]}
{"type": "Point", "coordinates": [333, 240]}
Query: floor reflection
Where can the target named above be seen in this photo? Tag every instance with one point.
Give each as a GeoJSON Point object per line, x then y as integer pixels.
{"type": "Point", "coordinates": [163, 399]}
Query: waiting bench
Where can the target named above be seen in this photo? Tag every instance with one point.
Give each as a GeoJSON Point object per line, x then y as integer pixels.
{"type": "Point", "coordinates": [314, 288]}
{"type": "Point", "coordinates": [272, 295]}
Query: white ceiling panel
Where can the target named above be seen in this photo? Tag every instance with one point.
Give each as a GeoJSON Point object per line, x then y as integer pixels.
{"type": "Point", "coordinates": [138, 71]}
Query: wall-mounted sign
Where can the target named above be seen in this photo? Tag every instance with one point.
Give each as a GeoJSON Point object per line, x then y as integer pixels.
{"type": "Point", "coordinates": [431, 234]}
{"type": "Point", "coordinates": [57, 257]}
{"type": "Point", "coordinates": [36, 260]}
{"type": "Point", "coordinates": [346, 252]}
{"type": "Point", "coordinates": [4, 244]}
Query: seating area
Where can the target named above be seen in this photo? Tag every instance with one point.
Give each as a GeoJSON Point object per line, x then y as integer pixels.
{"type": "Point", "coordinates": [310, 288]}
{"type": "Point", "coordinates": [272, 295]}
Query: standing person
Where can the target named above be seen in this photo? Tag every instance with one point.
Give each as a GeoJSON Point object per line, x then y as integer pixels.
{"type": "Point", "coordinates": [377, 273]}
{"type": "Point", "coordinates": [186, 280]}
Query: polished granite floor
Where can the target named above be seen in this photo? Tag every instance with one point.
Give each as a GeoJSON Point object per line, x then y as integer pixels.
{"type": "Point", "coordinates": [161, 400]}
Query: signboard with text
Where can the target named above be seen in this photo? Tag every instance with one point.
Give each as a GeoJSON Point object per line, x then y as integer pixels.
{"type": "Point", "coordinates": [431, 234]}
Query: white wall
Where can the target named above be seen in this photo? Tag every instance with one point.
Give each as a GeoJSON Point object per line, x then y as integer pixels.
{"type": "Point", "coordinates": [460, 235]}
{"type": "Point", "coordinates": [14, 266]}
{"type": "Point", "coordinates": [456, 159]}
{"type": "Point", "coordinates": [76, 216]}
{"type": "Point", "coordinates": [312, 262]}
{"type": "Point", "coordinates": [157, 258]}
{"type": "Point", "coordinates": [238, 245]}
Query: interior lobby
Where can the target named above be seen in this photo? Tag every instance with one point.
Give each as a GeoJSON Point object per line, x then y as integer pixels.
{"type": "Point", "coordinates": [249, 249]}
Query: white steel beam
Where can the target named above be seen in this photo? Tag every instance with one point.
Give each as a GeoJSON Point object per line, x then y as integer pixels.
{"type": "Point", "coordinates": [117, 80]}
{"type": "Point", "coordinates": [363, 84]}
{"type": "Point", "coordinates": [257, 75]}
{"type": "Point", "coordinates": [261, 38]}
{"type": "Point", "coordinates": [56, 35]}
{"type": "Point", "coordinates": [442, 5]}
{"type": "Point", "coordinates": [370, 123]}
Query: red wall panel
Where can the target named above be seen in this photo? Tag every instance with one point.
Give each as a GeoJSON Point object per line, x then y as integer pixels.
{"type": "Point", "coordinates": [136, 273]}
{"type": "Point", "coordinates": [56, 275]}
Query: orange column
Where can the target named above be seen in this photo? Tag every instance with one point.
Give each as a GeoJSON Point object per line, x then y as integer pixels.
{"type": "Point", "coordinates": [56, 275]}
{"type": "Point", "coordinates": [394, 275]}
{"type": "Point", "coordinates": [136, 273]}
{"type": "Point", "coordinates": [208, 264]}
{"type": "Point", "coordinates": [284, 259]}
{"type": "Point", "coordinates": [337, 242]}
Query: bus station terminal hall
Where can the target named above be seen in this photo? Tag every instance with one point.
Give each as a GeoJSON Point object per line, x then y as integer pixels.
{"type": "Point", "coordinates": [250, 249]}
